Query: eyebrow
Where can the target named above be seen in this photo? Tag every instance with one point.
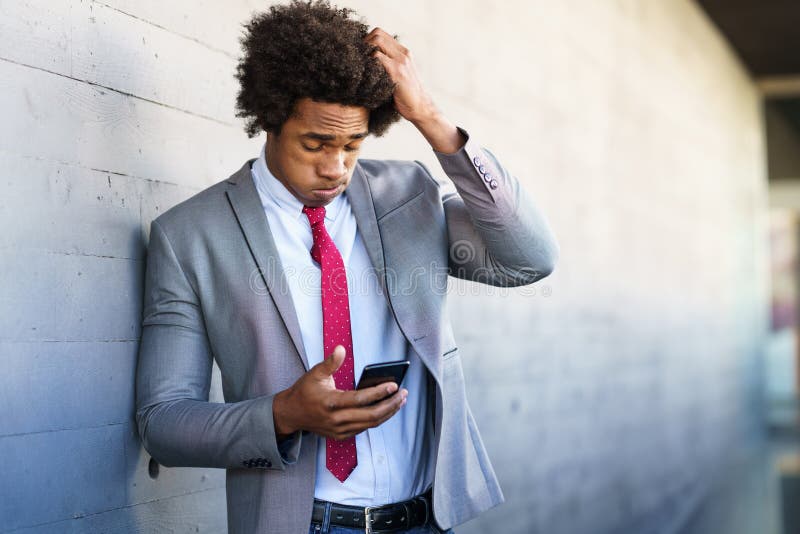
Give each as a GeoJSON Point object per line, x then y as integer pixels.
{"type": "Point", "coordinates": [331, 137]}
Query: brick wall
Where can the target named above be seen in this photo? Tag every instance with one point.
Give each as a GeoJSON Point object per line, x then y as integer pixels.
{"type": "Point", "coordinates": [609, 395]}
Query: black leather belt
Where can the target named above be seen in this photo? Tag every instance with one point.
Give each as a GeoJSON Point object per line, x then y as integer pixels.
{"type": "Point", "coordinates": [377, 519]}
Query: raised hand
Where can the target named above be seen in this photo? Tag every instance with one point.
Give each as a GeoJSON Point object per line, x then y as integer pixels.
{"type": "Point", "coordinates": [411, 99]}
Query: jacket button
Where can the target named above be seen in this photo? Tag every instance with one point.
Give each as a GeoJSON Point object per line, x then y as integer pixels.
{"type": "Point", "coordinates": [493, 184]}
{"type": "Point", "coordinates": [481, 169]}
{"type": "Point", "coordinates": [488, 177]}
{"type": "Point", "coordinates": [476, 160]}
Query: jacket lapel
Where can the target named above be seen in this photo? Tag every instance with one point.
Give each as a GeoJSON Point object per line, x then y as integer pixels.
{"type": "Point", "coordinates": [417, 334]}
{"type": "Point", "coordinates": [250, 214]}
{"type": "Point", "coordinates": [363, 207]}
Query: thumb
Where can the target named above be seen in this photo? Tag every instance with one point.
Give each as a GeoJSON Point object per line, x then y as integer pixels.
{"type": "Point", "coordinates": [333, 362]}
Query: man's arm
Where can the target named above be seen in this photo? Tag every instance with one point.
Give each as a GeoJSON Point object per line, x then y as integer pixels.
{"type": "Point", "coordinates": [496, 234]}
{"type": "Point", "coordinates": [177, 424]}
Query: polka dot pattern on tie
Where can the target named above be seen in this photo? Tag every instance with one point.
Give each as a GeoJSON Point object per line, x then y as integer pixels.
{"type": "Point", "coordinates": [340, 456]}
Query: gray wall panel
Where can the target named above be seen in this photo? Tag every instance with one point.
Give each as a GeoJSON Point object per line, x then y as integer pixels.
{"type": "Point", "coordinates": [50, 476]}
{"type": "Point", "coordinates": [71, 297]}
{"type": "Point", "coordinates": [201, 511]}
{"type": "Point", "coordinates": [33, 401]}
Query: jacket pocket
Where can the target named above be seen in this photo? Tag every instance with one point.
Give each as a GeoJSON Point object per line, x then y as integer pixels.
{"type": "Point", "coordinates": [408, 202]}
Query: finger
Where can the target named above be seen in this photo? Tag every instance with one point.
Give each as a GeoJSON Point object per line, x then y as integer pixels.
{"type": "Point", "coordinates": [388, 45]}
{"type": "Point", "coordinates": [380, 31]}
{"type": "Point", "coordinates": [360, 398]}
{"type": "Point", "coordinates": [373, 415]}
{"type": "Point", "coordinates": [395, 407]}
{"type": "Point", "coordinates": [377, 30]}
{"type": "Point", "coordinates": [377, 417]}
{"type": "Point", "coordinates": [329, 365]}
{"type": "Point", "coordinates": [386, 61]}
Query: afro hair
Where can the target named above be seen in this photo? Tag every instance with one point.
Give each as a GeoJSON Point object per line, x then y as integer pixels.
{"type": "Point", "coordinates": [309, 50]}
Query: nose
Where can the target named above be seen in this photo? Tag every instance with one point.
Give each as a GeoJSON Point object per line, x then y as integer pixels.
{"type": "Point", "coordinates": [332, 166]}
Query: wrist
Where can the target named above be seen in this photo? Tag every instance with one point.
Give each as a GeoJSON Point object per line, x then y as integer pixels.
{"type": "Point", "coordinates": [441, 134]}
{"type": "Point", "coordinates": [426, 118]}
{"type": "Point", "coordinates": [281, 415]}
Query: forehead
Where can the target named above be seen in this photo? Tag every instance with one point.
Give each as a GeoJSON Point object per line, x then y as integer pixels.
{"type": "Point", "coordinates": [328, 118]}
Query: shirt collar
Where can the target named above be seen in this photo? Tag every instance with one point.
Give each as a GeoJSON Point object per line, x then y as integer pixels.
{"type": "Point", "coordinates": [270, 187]}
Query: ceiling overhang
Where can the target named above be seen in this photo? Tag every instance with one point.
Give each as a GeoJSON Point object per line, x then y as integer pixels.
{"type": "Point", "coordinates": [766, 36]}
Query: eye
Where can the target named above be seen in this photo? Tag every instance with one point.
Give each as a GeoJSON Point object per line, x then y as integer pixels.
{"type": "Point", "coordinates": [349, 148]}
{"type": "Point", "coordinates": [312, 148]}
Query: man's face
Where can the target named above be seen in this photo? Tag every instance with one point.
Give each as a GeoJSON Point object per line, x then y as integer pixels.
{"type": "Point", "coordinates": [316, 151]}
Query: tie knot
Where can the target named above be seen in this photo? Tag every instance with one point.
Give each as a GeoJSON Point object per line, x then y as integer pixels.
{"type": "Point", "coordinates": [315, 214]}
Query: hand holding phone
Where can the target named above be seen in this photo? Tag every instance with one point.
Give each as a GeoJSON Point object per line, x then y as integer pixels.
{"type": "Point", "coordinates": [314, 404]}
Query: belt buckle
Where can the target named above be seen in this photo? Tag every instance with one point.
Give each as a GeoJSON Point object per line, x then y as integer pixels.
{"type": "Point", "coordinates": [368, 519]}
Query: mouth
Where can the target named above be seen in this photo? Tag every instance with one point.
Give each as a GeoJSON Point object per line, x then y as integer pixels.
{"type": "Point", "coordinates": [327, 194]}
{"type": "Point", "coordinates": [330, 189]}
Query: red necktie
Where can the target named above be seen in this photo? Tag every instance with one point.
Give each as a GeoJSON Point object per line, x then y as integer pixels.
{"type": "Point", "coordinates": [340, 456]}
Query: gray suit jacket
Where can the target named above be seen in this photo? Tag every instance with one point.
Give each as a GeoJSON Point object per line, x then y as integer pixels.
{"type": "Point", "coordinates": [215, 291]}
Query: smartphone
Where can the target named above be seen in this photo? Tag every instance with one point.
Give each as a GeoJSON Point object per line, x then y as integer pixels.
{"type": "Point", "coordinates": [378, 373]}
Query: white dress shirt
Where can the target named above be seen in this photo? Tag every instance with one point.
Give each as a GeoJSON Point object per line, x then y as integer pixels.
{"type": "Point", "coordinates": [394, 459]}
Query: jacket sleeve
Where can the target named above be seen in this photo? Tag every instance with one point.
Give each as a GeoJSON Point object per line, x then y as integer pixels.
{"type": "Point", "coordinates": [177, 424]}
{"type": "Point", "coordinates": [496, 234]}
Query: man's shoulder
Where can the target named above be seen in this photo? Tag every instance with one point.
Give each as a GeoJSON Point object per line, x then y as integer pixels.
{"type": "Point", "coordinates": [396, 178]}
{"type": "Point", "coordinates": [203, 205]}
{"type": "Point", "coordinates": [383, 165]}
{"type": "Point", "coordinates": [377, 169]}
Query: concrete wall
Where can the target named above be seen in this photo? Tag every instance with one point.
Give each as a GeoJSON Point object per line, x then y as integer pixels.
{"type": "Point", "coordinates": [609, 395]}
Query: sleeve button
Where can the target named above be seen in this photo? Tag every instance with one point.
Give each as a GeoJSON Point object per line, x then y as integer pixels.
{"type": "Point", "coordinates": [493, 184]}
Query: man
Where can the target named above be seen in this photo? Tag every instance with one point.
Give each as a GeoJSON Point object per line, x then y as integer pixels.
{"type": "Point", "coordinates": [308, 264]}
